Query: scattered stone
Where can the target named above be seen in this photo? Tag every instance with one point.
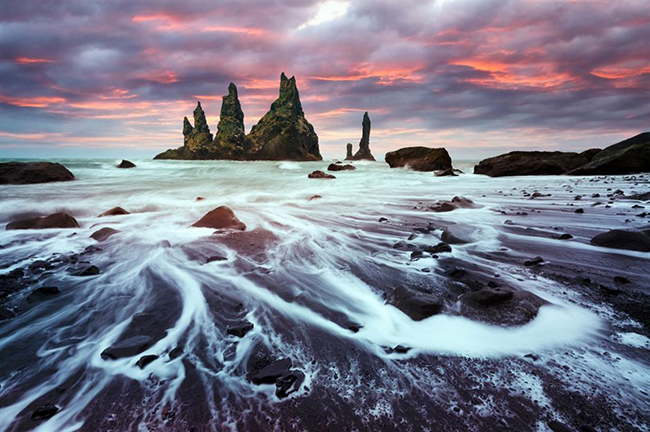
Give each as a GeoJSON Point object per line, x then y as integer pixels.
{"type": "Point", "coordinates": [103, 234]}
{"type": "Point", "coordinates": [33, 172]}
{"type": "Point", "coordinates": [565, 236]}
{"type": "Point", "coordinates": [200, 198]}
{"type": "Point", "coordinates": [45, 412]}
{"type": "Point", "coordinates": [315, 197]}
{"type": "Point", "coordinates": [580, 211]}
{"type": "Point", "coordinates": [240, 330]}
{"type": "Point", "coordinates": [43, 293]}
{"type": "Point", "coordinates": [115, 211]}
{"type": "Point", "coordinates": [89, 271]}
{"type": "Point", "coordinates": [145, 360]}
{"type": "Point", "coordinates": [126, 164]}
{"type": "Point", "coordinates": [441, 247]}
{"type": "Point", "coordinates": [289, 383]}
{"type": "Point", "coordinates": [128, 348]}
{"type": "Point", "coordinates": [533, 262]}
{"type": "Point", "coordinates": [221, 218]}
{"type": "Point", "coordinates": [320, 175]}
{"type": "Point", "coordinates": [341, 167]}
{"type": "Point", "coordinates": [270, 373]}
{"type": "Point", "coordinates": [417, 305]}
{"type": "Point", "coordinates": [621, 280]}
{"type": "Point", "coordinates": [56, 220]}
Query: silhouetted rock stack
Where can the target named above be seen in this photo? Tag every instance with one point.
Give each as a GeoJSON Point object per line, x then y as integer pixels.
{"type": "Point", "coordinates": [364, 145]}
{"type": "Point", "coordinates": [282, 134]}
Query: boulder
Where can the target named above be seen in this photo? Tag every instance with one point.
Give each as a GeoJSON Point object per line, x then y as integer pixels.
{"type": "Point", "coordinates": [417, 305]}
{"type": "Point", "coordinates": [620, 239]}
{"type": "Point", "coordinates": [626, 157]}
{"type": "Point", "coordinates": [128, 347]}
{"type": "Point", "coordinates": [289, 383]}
{"type": "Point", "coordinates": [271, 372]}
{"type": "Point", "coordinates": [500, 306]}
{"type": "Point", "coordinates": [33, 172]}
{"type": "Point", "coordinates": [89, 271]}
{"type": "Point", "coordinates": [145, 360]}
{"type": "Point", "coordinates": [284, 133]}
{"type": "Point", "coordinates": [115, 211]}
{"type": "Point", "coordinates": [524, 163]}
{"type": "Point", "coordinates": [364, 152]}
{"type": "Point", "coordinates": [45, 412]}
{"type": "Point", "coordinates": [240, 330]}
{"type": "Point", "coordinates": [126, 164]}
{"type": "Point", "coordinates": [320, 175]}
{"type": "Point", "coordinates": [102, 234]}
{"type": "Point", "coordinates": [43, 293]}
{"type": "Point", "coordinates": [56, 220]}
{"type": "Point", "coordinates": [419, 158]}
{"type": "Point", "coordinates": [340, 167]}
{"type": "Point", "coordinates": [220, 218]}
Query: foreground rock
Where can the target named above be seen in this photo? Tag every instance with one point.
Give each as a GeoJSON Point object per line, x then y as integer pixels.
{"type": "Point", "coordinates": [364, 152]}
{"type": "Point", "coordinates": [340, 167]}
{"type": "Point", "coordinates": [103, 234]}
{"type": "Point", "coordinates": [282, 134]}
{"type": "Point", "coordinates": [419, 158]}
{"type": "Point", "coordinates": [417, 305]}
{"type": "Point", "coordinates": [626, 157]}
{"type": "Point", "coordinates": [126, 164]}
{"type": "Point", "coordinates": [523, 163]}
{"type": "Point", "coordinates": [115, 211]}
{"type": "Point", "coordinates": [33, 172]}
{"type": "Point", "coordinates": [320, 175]}
{"type": "Point", "coordinates": [620, 239]}
{"type": "Point", "coordinates": [56, 220]}
{"type": "Point", "coordinates": [128, 348]}
{"type": "Point", "coordinates": [279, 372]}
{"type": "Point", "coordinates": [221, 218]}
{"type": "Point", "coordinates": [501, 306]}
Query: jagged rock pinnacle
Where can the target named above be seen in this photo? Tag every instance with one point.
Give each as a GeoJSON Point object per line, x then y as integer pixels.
{"type": "Point", "coordinates": [230, 130]}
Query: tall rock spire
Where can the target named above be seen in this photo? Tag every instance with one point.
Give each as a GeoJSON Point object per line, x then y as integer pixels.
{"type": "Point", "coordinates": [364, 152]}
{"type": "Point", "coordinates": [200, 123]}
{"type": "Point", "coordinates": [348, 154]}
{"type": "Point", "coordinates": [197, 137]}
{"type": "Point", "coordinates": [230, 130]}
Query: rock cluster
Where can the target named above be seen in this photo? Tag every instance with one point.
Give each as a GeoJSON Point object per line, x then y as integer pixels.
{"type": "Point", "coordinates": [282, 134]}
{"type": "Point", "coordinates": [364, 152]}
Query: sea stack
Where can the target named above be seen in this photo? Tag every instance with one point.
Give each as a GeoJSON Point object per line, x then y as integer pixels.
{"type": "Point", "coordinates": [197, 138]}
{"type": "Point", "coordinates": [230, 136]}
{"type": "Point", "coordinates": [284, 133]}
{"type": "Point", "coordinates": [364, 145]}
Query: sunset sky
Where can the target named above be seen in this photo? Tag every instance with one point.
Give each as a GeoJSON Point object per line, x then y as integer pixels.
{"type": "Point", "coordinates": [115, 78]}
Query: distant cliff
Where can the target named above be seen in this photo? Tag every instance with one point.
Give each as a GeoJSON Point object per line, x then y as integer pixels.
{"type": "Point", "coordinates": [282, 134]}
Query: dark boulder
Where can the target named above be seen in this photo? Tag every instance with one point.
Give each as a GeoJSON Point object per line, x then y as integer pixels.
{"type": "Point", "coordinates": [417, 305]}
{"type": "Point", "coordinates": [43, 293]}
{"type": "Point", "coordinates": [289, 383]}
{"type": "Point", "coordinates": [115, 211]}
{"type": "Point", "coordinates": [33, 172]}
{"type": "Point", "coordinates": [56, 220]}
{"type": "Point", "coordinates": [626, 157]}
{"type": "Point", "coordinates": [441, 247]}
{"type": "Point", "coordinates": [271, 372]}
{"type": "Point", "coordinates": [45, 412]}
{"type": "Point", "coordinates": [104, 233]}
{"type": "Point", "coordinates": [221, 218]}
{"type": "Point", "coordinates": [419, 158]}
{"type": "Point", "coordinates": [128, 347]}
{"type": "Point", "coordinates": [320, 175]}
{"type": "Point", "coordinates": [524, 163]}
{"type": "Point", "coordinates": [126, 164]}
{"type": "Point", "coordinates": [146, 360]}
{"type": "Point", "coordinates": [240, 330]}
{"type": "Point", "coordinates": [620, 239]}
{"type": "Point", "coordinates": [341, 167]}
{"type": "Point", "coordinates": [89, 271]}
{"type": "Point", "coordinates": [500, 306]}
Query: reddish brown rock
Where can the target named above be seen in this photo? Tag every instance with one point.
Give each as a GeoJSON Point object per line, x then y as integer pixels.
{"type": "Point", "coordinates": [56, 220]}
{"type": "Point", "coordinates": [320, 175]}
{"type": "Point", "coordinates": [103, 234]}
{"type": "Point", "coordinates": [115, 211]}
{"type": "Point", "coordinates": [221, 218]}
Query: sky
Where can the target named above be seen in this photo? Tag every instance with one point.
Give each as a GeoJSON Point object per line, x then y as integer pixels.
{"type": "Point", "coordinates": [114, 78]}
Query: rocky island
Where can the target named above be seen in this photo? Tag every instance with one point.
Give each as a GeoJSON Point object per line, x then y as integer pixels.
{"type": "Point", "coordinates": [282, 134]}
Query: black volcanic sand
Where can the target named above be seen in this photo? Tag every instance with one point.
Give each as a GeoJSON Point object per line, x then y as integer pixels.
{"type": "Point", "coordinates": [180, 296]}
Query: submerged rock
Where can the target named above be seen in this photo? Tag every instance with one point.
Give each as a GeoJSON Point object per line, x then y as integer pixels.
{"type": "Point", "coordinates": [43, 293]}
{"type": "Point", "coordinates": [419, 158]}
{"type": "Point", "coordinates": [320, 175]}
{"type": "Point", "coordinates": [626, 157]}
{"type": "Point", "coordinates": [33, 172]}
{"type": "Point", "coordinates": [128, 347]}
{"type": "Point", "coordinates": [340, 167]}
{"type": "Point", "coordinates": [240, 330]}
{"type": "Point", "coordinates": [417, 305]}
{"type": "Point", "coordinates": [524, 163]}
{"type": "Point", "coordinates": [45, 412]}
{"type": "Point", "coordinates": [103, 234]}
{"type": "Point", "coordinates": [364, 152]}
{"type": "Point", "coordinates": [220, 218]}
{"type": "Point", "coordinates": [126, 164]}
{"type": "Point", "coordinates": [115, 211]}
{"type": "Point", "coordinates": [620, 239]}
{"type": "Point", "coordinates": [56, 220]}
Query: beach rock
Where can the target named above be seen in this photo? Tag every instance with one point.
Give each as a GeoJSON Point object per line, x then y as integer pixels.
{"type": "Point", "coordinates": [500, 306]}
{"type": "Point", "coordinates": [43, 293]}
{"type": "Point", "coordinates": [320, 175]}
{"type": "Point", "coordinates": [348, 153]}
{"type": "Point", "coordinates": [626, 157]}
{"type": "Point", "coordinates": [524, 163]}
{"type": "Point", "coordinates": [417, 305]}
{"type": "Point", "coordinates": [145, 360]}
{"type": "Point", "coordinates": [220, 218]}
{"type": "Point", "coordinates": [56, 220]}
{"type": "Point", "coordinates": [620, 239]}
{"type": "Point", "coordinates": [441, 247]}
{"type": "Point", "coordinates": [284, 133]}
{"type": "Point", "coordinates": [289, 383]}
{"type": "Point", "coordinates": [533, 262]}
{"type": "Point", "coordinates": [126, 164]}
{"type": "Point", "coordinates": [103, 234]}
{"type": "Point", "coordinates": [449, 172]}
{"type": "Point", "coordinates": [457, 234]}
{"type": "Point", "coordinates": [270, 373]}
{"type": "Point", "coordinates": [33, 172]}
{"type": "Point", "coordinates": [240, 330]}
{"type": "Point", "coordinates": [115, 211]}
{"type": "Point", "coordinates": [45, 412]}
{"type": "Point", "coordinates": [89, 271]}
{"type": "Point", "coordinates": [456, 202]}
{"type": "Point", "coordinates": [419, 158]}
{"type": "Point", "coordinates": [128, 347]}
{"type": "Point", "coordinates": [340, 167]}
{"type": "Point", "coordinates": [364, 145]}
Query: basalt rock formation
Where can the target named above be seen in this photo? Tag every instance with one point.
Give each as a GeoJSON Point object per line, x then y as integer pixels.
{"type": "Point", "coordinates": [626, 157]}
{"type": "Point", "coordinates": [282, 134]}
{"type": "Point", "coordinates": [33, 172]}
{"type": "Point", "coordinates": [419, 158]}
{"type": "Point", "coordinates": [364, 145]}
